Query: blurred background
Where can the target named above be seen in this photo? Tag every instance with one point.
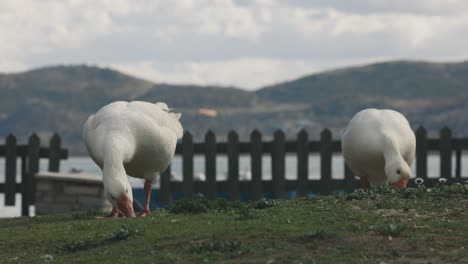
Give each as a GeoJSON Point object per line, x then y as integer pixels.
{"type": "Point", "coordinates": [231, 65]}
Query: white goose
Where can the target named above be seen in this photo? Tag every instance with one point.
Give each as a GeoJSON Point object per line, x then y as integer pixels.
{"type": "Point", "coordinates": [134, 138]}
{"type": "Point", "coordinates": [379, 147]}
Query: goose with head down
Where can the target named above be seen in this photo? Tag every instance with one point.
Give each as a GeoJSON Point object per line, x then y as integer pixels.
{"type": "Point", "coordinates": [379, 147]}
{"type": "Point", "coordinates": [131, 138]}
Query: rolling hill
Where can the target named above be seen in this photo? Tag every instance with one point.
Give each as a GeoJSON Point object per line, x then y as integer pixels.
{"type": "Point", "coordinates": [60, 98]}
{"type": "Point", "coordinates": [398, 79]}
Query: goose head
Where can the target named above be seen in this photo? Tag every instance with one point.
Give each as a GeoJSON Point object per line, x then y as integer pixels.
{"type": "Point", "coordinates": [119, 194]}
{"type": "Point", "coordinates": [398, 173]}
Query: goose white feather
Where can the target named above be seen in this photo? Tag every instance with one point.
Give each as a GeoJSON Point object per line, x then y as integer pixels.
{"type": "Point", "coordinates": [131, 138]}
{"type": "Point", "coordinates": [379, 145]}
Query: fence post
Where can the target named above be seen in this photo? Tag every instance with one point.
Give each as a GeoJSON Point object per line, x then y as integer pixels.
{"type": "Point", "coordinates": [10, 170]}
{"type": "Point", "coordinates": [302, 162]}
{"type": "Point", "coordinates": [29, 182]}
{"type": "Point", "coordinates": [187, 162]}
{"type": "Point", "coordinates": [54, 153]}
{"type": "Point", "coordinates": [325, 160]}
{"type": "Point", "coordinates": [210, 164]}
{"type": "Point", "coordinates": [458, 163]}
{"type": "Point", "coordinates": [421, 153]}
{"type": "Point", "coordinates": [445, 153]}
{"type": "Point", "coordinates": [233, 165]}
{"type": "Point", "coordinates": [278, 164]}
{"type": "Point", "coordinates": [349, 179]}
{"type": "Point", "coordinates": [256, 164]}
{"type": "Point", "coordinates": [165, 192]}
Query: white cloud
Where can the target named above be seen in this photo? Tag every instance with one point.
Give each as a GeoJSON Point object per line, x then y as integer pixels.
{"type": "Point", "coordinates": [11, 66]}
{"type": "Point", "coordinates": [30, 27]}
{"type": "Point", "coordinates": [409, 29]}
{"type": "Point", "coordinates": [230, 42]}
{"type": "Point", "coordinates": [426, 7]}
{"type": "Point", "coordinates": [220, 17]}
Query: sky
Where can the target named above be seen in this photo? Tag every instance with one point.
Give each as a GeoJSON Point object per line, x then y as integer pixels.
{"type": "Point", "coordinates": [247, 44]}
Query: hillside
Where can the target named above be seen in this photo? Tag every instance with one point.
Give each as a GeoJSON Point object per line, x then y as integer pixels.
{"type": "Point", "coordinates": [399, 79]}
{"type": "Point", "coordinates": [60, 98]}
{"type": "Point", "coordinates": [429, 94]}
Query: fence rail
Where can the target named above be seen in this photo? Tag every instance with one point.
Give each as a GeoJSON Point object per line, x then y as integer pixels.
{"type": "Point", "coordinates": [278, 148]}
{"type": "Point", "coordinates": [29, 155]}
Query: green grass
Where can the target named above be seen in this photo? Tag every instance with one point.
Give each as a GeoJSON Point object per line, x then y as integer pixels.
{"type": "Point", "coordinates": [383, 225]}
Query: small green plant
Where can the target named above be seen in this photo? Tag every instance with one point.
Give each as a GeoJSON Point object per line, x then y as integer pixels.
{"type": "Point", "coordinates": [317, 234]}
{"type": "Point", "coordinates": [76, 245]}
{"type": "Point", "coordinates": [85, 215]}
{"type": "Point", "coordinates": [385, 192]}
{"type": "Point", "coordinates": [360, 194]}
{"type": "Point", "coordinates": [200, 204]}
{"type": "Point", "coordinates": [125, 233]}
{"type": "Point", "coordinates": [122, 234]}
{"type": "Point", "coordinates": [358, 227]}
{"type": "Point", "coordinates": [390, 229]}
{"type": "Point", "coordinates": [263, 203]}
{"type": "Point", "coordinates": [245, 213]}
{"type": "Point", "coordinates": [447, 191]}
{"type": "Point", "coordinates": [189, 206]}
{"type": "Point", "coordinates": [232, 248]}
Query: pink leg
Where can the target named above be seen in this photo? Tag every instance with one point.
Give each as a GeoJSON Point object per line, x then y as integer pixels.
{"type": "Point", "coordinates": [146, 209]}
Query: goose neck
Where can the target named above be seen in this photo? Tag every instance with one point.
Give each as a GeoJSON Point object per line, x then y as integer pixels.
{"type": "Point", "coordinates": [113, 161]}
{"type": "Point", "coordinates": [391, 153]}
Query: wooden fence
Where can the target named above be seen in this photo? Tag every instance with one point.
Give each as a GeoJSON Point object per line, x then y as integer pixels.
{"type": "Point", "coordinates": [30, 155]}
{"type": "Point", "coordinates": [233, 187]}
{"type": "Point", "coordinates": [278, 186]}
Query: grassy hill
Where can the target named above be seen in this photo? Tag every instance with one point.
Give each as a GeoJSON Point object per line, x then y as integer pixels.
{"type": "Point", "coordinates": [429, 94]}
{"type": "Point", "coordinates": [382, 226]}
{"type": "Point", "coordinates": [60, 98]}
{"type": "Point", "coordinates": [398, 79]}
{"type": "Point", "coordinates": [77, 88]}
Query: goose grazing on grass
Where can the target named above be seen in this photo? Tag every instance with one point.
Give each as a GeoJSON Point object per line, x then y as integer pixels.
{"type": "Point", "coordinates": [379, 147]}
{"type": "Point", "coordinates": [131, 138]}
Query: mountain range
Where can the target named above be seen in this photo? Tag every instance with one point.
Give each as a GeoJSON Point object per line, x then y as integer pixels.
{"type": "Point", "coordinates": [60, 98]}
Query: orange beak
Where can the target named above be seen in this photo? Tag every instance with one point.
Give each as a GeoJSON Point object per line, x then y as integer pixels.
{"type": "Point", "coordinates": [125, 206]}
{"type": "Point", "coordinates": [401, 184]}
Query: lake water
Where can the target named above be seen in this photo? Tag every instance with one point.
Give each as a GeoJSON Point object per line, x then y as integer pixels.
{"type": "Point", "coordinates": [86, 165]}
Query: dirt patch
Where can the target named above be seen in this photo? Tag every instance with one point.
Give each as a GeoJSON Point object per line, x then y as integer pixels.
{"type": "Point", "coordinates": [403, 250]}
{"type": "Point", "coordinates": [397, 213]}
{"type": "Point", "coordinates": [387, 249]}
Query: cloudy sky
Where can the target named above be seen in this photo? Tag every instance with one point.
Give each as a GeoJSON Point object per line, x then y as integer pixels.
{"type": "Point", "coordinates": [229, 42]}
